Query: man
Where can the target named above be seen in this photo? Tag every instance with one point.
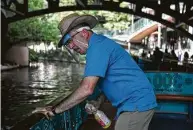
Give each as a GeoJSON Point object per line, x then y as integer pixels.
{"type": "Point", "coordinates": [110, 67]}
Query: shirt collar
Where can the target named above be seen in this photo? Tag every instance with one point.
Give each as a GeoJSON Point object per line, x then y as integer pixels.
{"type": "Point", "coordinates": [92, 39]}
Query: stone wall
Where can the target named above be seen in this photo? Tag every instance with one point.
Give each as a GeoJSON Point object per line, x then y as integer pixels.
{"type": "Point", "coordinates": [18, 55]}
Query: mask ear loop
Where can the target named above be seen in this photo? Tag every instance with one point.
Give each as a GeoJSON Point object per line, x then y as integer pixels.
{"type": "Point", "coordinates": [82, 33]}
{"type": "Point", "coordinates": [85, 33]}
{"type": "Point", "coordinates": [82, 43]}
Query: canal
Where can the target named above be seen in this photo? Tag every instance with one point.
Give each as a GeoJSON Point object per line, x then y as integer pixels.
{"type": "Point", "coordinates": [25, 89]}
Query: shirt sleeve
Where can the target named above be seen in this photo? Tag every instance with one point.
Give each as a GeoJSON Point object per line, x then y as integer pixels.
{"type": "Point", "coordinates": [97, 61]}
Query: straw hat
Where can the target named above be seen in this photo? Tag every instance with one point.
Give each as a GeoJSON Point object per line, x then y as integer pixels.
{"type": "Point", "coordinates": [72, 20]}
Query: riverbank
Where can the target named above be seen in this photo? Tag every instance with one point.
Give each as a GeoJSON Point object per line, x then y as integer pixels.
{"type": "Point", "coordinates": [9, 67]}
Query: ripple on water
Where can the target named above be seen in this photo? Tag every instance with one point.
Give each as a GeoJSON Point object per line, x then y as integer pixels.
{"type": "Point", "coordinates": [28, 88]}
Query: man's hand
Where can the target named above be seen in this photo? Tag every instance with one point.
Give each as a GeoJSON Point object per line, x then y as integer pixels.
{"type": "Point", "coordinates": [47, 111]}
{"type": "Point", "coordinates": [96, 104]}
{"type": "Point", "coordinates": [92, 106]}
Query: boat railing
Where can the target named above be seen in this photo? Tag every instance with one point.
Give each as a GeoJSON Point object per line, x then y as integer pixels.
{"type": "Point", "coordinates": [141, 23]}
{"type": "Point", "coordinates": [173, 97]}
{"type": "Point", "coordinates": [68, 120]}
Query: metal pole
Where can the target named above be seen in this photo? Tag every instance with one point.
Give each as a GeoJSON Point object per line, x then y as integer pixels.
{"type": "Point", "coordinates": [73, 56]}
{"type": "Point", "coordinates": [159, 35]}
{"type": "Point", "coordinates": [132, 23]}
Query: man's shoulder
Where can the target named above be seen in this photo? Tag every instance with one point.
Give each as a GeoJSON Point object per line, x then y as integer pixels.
{"type": "Point", "coordinates": [97, 38]}
{"type": "Point", "coordinates": [102, 38]}
{"type": "Point", "coordinates": [103, 43]}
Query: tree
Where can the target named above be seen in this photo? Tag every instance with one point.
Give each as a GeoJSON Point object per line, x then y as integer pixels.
{"type": "Point", "coordinates": [44, 28]}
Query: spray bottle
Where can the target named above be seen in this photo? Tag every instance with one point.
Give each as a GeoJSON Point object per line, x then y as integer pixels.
{"type": "Point", "coordinates": [99, 115]}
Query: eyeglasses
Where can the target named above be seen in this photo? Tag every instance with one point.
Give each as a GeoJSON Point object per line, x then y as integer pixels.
{"type": "Point", "coordinates": [67, 39]}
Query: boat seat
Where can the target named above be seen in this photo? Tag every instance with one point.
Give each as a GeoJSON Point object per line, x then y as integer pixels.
{"type": "Point", "coordinates": [174, 97]}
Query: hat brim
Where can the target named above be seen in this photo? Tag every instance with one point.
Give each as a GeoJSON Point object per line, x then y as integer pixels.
{"type": "Point", "coordinates": [88, 19]}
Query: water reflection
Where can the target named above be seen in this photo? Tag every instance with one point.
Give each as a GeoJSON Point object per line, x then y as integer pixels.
{"type": "Point", "coordinates": [27, 88]}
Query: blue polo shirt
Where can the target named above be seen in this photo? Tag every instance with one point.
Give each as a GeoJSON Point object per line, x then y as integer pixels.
{"type": "Point", "coordinates": [121, 80]}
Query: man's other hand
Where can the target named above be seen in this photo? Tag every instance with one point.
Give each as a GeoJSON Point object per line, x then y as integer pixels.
{"type": "Point", "coordinates": [47, 111]}
{"type": "Point", "coordinates": [92, 106]}
{"type": "Point", "coordinates": [96, 104]}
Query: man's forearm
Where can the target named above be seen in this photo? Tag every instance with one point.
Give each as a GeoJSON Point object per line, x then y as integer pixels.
{"type": "Point", "coordinates": [81, 93]}
{"type": "Point", "coordinates": [77, 96]}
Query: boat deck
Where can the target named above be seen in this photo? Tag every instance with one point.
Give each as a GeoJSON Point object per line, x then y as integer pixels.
{"type": "Point", "coordinates": [157, 122]}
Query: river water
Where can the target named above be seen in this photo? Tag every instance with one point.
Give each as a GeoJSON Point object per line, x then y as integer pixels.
{"type": "Point", "coordinates": [22, 90]}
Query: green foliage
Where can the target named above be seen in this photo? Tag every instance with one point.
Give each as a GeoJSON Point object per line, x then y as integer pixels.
{"type": "Point", "coordinates": [32, 55]}
{"type": "Point", "coordinates": [44, 28]}
{"type": "Point", "coordinates": [82, 58]}
{"type": "Point", "coordinates": [114, 20]}
{"type": "Point", "coordinates": [67, 2]}
{"type": "Point", "coordinates": [35, 4]}
{"type": "Point", "coordinates": [34, 29]}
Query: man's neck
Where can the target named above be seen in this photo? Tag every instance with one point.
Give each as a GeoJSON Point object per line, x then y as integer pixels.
{"type": "Point", "coordinates": [89, 35]}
